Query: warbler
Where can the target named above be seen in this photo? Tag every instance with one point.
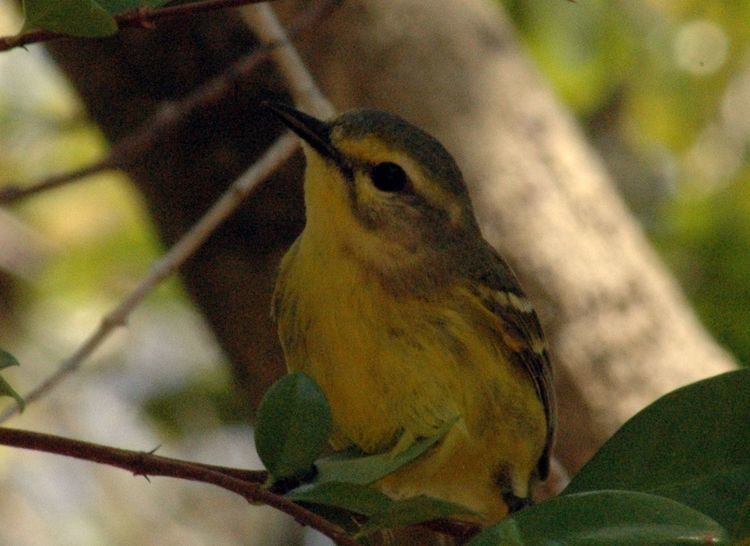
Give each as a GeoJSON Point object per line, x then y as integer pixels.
{"type": "Point", "coordinates": [408, 319]}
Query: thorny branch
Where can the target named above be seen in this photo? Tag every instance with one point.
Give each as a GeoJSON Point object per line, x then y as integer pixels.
{"type": "Point", "coordinates": [247, 483]}
{"type": "Point", "coordinates": [144, 17]}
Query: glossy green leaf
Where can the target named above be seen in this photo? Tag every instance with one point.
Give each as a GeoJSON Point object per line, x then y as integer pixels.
{"type": "Point", "coordinates": [614, 518]}
{"type": "Point", "coordinates": [84, 18]}
{"type": "Point", "coordinates": [115, 7]}
{"type": "Point", "coordinates": [293, 426]}
{"type": "Point", "coordinates": [742, 528]}
{"type": "Point", "coordinates": [350, 467]}
{"type": "Point", "coordinates": [381, 510]}
{"type": "Point", "coordinates": [338, 516]}
{"type": "Point", "coordinates": [7, 360]}
{"type": "Point", "coordinates": [361, 499]}
{"type": "Point", "coordinates": [506, 533]}
{"type": "Point", "coordinates": [412, 510]}
{"type": "Point", "coordinates": [692, 445]}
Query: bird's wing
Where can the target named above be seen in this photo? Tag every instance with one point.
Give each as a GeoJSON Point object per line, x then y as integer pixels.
{"type": "Point", "coordinates": [499, 291]}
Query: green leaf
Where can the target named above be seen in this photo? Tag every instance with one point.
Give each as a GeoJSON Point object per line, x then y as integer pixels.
{"type": "Point", "coordinates": [338, 516]}
{"type": "Point", "coordinates": [412, 510]}
{"type": "Point", "coordinates": [7, 360]}
{"type": "Point", "coordinates": [353, 467]}
{"type": "Point", "coordinates": [84, 18]}
{"type": "Point", "coordinates": [293, 426]}
{"type": "Point", "coordinates": [116, 7]}
{"type": "Point", "coordinates": [742, 529]}
{"type": "Point", "coordinates": [382, 511]}
{"type": "Point", "coordinates": [7, 390]}
{"type": "Point", "coordinates": [615, 518]}
{"type": "Point", "coordinates": [506, 533]}
{"type": "Point", "coordinates": [349, 496]}
{"type": "Point", "coordinates": [691, 445]}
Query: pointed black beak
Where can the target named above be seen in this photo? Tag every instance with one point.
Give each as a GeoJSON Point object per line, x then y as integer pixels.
{"type": "Point", "coordinates": [313, 131]}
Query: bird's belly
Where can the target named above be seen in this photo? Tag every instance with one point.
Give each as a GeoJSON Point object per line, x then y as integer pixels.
{"type": "Point", "coordinates": [393, 367]}
{"type": "Point", "coordinates": [373, 362]}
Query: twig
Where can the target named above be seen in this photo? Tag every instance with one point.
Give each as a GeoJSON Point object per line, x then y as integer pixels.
{"type": "Point", "coordinates": [144, 17]}
{"type": "Point", "coordinates": [12, 192]}
{"type": "Point", "coordinates": [243, 482]}
{"type": "Point", "coordinates": [301, 83]}
{"type": "Point", "coordinates": [248, 485]}
{"type": "Point", "coordinates": [169, 263]}
{"type": "Point", "coordinates": [169, 115]}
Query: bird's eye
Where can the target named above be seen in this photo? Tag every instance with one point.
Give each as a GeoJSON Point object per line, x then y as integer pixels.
{"type": "Point", "coordinates": [389, 177]}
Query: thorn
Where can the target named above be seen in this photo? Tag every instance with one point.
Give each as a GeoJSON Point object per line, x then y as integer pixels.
{"type": "Point", "coordinates": [137, 473]}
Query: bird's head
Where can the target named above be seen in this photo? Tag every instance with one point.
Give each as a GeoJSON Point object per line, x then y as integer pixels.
{"type": "Point", "coordinates": [381, 189]}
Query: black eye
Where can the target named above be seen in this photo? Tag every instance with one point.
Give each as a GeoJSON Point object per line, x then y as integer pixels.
{"type": "Point", "coordinates": [389, 177]}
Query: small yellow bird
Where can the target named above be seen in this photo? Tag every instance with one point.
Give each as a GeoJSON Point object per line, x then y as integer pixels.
{"type": "Point", "coordinates": [407, 318]}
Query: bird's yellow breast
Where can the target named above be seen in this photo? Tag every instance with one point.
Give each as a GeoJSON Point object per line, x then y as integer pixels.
{"type": "Point", "coordinates": [395, 368]}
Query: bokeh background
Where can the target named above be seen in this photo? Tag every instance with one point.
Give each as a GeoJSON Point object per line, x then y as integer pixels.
{"type": "Point", "coordinates": [662, 90]}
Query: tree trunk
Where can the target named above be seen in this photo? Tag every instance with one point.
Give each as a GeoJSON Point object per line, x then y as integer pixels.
{"type": "Point", "coordinates": [621, 332]}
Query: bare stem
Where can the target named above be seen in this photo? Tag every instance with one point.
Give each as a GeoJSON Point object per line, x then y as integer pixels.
{"type": "Point", "coordinates": [144, 17]}
{"type": "Point", "coordinates": [247, 483]}
{"type": "Point", "coordinates": [302, 86]}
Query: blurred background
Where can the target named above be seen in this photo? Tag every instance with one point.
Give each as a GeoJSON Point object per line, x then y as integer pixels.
{"type": "Point", "coordinates": [661, 89]}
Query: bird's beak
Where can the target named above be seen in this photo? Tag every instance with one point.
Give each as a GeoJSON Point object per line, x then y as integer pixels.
{"type": "Point", "coordinates": [313, 131]}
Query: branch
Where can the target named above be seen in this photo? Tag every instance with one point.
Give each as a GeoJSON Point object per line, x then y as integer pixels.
{"type": "Point", "coordinates": [144, 17]}
{"type": "Point", "coordinates": [168, 117]}
{"type": "Point", "coordinates": [169, 263]}
{"type": "Point", "coordinates": [248, 484]}
{"type": "Point", "coordinates": [12, 192]}
{"type": "Point", "coordinates": [301, 83]}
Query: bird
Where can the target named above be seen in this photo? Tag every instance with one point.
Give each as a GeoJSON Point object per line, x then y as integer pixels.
{"type": "Point", "coordinates": [394, 303]}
